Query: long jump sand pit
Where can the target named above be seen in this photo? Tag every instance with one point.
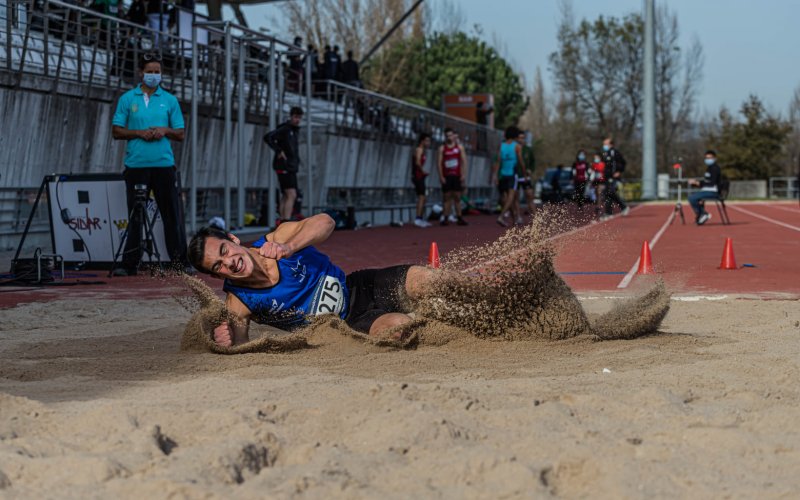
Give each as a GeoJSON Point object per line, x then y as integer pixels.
{"type": "Point", "coordinates": [98, 400]}
{"type": "Point", "coordinates": [570, 397]}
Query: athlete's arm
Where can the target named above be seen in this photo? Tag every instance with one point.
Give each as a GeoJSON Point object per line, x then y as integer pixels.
{"type": "Point", "coordinates": [440, 164]}
{"type": "Point", "coordinates": [463, 164]}
{"type": "Point", "coordinates": [293, 236]}
{"type": "Point", "coordinates": [521, 161]}
{"type": "Point", "coordinates": [418, 159]}
{"type": "Point", "coordinates": [234, 332]}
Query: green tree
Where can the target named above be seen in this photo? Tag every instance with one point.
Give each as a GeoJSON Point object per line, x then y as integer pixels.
{"type": "Point", "coordinates": [451, 63]}
{"type": "Point", "coordinates": [752, 148]}
{"type": "Point", "coordinates": [598, 70]}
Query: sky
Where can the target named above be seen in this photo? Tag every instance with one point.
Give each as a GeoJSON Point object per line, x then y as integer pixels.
{"type": "Point", "coordinates": [749, 46]}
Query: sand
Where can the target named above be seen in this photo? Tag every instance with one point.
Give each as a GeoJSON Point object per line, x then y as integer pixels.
{"type": "Point", "coordinates": [97, 399]}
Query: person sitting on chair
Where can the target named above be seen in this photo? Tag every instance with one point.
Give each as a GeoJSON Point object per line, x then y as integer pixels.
{"type": "Point", "coordinates": [709, 188]}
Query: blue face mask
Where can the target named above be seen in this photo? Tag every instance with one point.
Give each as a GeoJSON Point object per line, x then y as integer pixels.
{"type": "Point", "coordinates": [152, 80]}
{"type": "Point", "coordinates": [606, 147]}
{"type": "Point", "coordinates": [710, 161]}
{"type": "Point", "coordinates": [581, 157]}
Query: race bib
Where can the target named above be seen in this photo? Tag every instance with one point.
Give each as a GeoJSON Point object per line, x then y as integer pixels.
{"type": "Point", "coordinates": [329, 297]}
{"type": "Point", "coordinates": [451, 163]}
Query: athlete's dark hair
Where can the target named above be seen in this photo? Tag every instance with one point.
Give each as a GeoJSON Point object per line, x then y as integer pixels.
{"type": "Point", "coordinates": [422, 137]}
{"type": "Point", "coordinates": [448, 129]}
{"type": "Point", "coordinates": [712, 153]}
{"type": "Point", "coordinates": [296, 111]}
{"type": "Point", "coordinates": [512, 132]}
{"type": "Point", "coordinates": [197, 247]}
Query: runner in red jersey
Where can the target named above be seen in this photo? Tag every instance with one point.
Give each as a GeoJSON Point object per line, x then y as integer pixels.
{"type": "Point", "coordinates": [418, 175]}
{"type": "Point", "coordinates": [452, 173]}
{"type": "Point", "coordinates": [598, 176]}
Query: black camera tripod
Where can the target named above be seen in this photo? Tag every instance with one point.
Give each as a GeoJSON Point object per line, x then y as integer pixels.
{"type": "Point", "coordinates": [147, 240]}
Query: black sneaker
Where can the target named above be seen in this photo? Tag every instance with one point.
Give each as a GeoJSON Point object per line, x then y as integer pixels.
{"type": "Point", "coordinates": [461, 222]}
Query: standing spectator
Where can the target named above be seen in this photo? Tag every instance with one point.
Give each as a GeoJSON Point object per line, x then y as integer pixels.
{"type": "Point", "coordinates": [327, 63]}
{"type": "Point", "coordinates": [312, 58]}
{"type": "Point", "coordinates": [284, 141]}
{"type": "Point", "coordinates": [580, 177]}
{"type": "Point", "coordinates": [482, 118]}
{"type": "Point", "coordinates": [296, 67]}
{"type": "Point", "coordinates": [148, 117]}
{"type": "Point", "coordinates": [418, 175]}
{"type": "Point", "coordinates": [504, 174]}
{"type": "Point", "coordinates": [336, 71]}
{"type": "Point", "coordinates": [157, 20]}
{"type": "Point", "coordinates": [137, 12]}
{"type": "Point", "coordinates": [598, 177]}
{"type": "Point", "coordinates": [350, 74]}
{"type": "Point", "coordinates": [709, 188]}
{"type": "Point", "coordinates": [615, 165]}
{"type": "Point", "coordinates": [452, 166]}
{"type": "Point", "coordinates": [528, 165]}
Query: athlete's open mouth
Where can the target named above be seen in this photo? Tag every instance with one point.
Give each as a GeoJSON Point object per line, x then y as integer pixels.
{"type": "Point", "coordinates": [239, 265]}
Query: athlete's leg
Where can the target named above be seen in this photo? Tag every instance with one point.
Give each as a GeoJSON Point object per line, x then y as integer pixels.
{"type": "Point", "coordinates": [388, 321]}
{"type": "Point", "coordinates": [457, 202]}
{"type": "Point", "coordinates": [420, 205]}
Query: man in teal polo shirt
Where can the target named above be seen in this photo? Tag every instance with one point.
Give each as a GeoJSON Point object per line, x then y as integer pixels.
{"type": "Point", "coordinates": [148, 117]}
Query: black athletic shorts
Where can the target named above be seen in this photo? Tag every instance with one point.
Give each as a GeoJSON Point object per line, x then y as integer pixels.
{"type": "Point", "coordinates": [507, 183]}
{"type": "Point", "coordinates": [287, 180]}
{"type": "Point", "coordinates": [452, 183]}
{"type": "Point", "coordinates": [419, 186]}
{"type": "Point", "coordinates": [523, 183]}
{"type": "Point", "coordinates": [375, 292]}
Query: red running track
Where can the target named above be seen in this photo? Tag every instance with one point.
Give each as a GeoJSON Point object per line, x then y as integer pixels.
{"type": "Point", "coordinates": [595, 257]}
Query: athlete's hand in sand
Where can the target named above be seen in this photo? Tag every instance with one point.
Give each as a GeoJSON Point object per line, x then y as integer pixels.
{"type": "Point", "coordinates": [273, 250]}
{"type": "Point", "coordinates": [223, 335]}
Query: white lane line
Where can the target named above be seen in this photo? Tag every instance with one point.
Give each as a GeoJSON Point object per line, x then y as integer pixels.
{"type": "Point", "coordinates": [780, 207]}
{"type": "Point", "coordinates": [759, 216]}
{"type": "Point", "coordinates": [552, 238]}
{"type": "Point", "coordinates": [628, 277]}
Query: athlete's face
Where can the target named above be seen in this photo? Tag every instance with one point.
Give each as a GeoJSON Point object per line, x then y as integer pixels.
{"type": "Point", "coordinates": [451, 137]}
{"type": "Point", "coordinates": [228, 259]}
{"type": "Point", "coordinates": [426, 143]}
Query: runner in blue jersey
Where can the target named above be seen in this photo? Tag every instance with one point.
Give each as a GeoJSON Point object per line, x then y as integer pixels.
{"type": "Point", "coordinates": [282, 279]}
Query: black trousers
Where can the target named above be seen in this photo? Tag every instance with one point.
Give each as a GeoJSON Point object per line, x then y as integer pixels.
{"type": "Point", "coordinates": [165, 184]}
{"type": "Point", "coordinates": [612, 196]}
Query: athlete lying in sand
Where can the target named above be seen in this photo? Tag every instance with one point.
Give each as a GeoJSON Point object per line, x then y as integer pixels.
{"type": "Point", "coordinates": [283, 278]}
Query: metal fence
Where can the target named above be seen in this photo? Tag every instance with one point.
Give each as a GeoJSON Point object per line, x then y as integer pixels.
{"type": "Point", "coordinates": [224, 70]}
{"type": "Point", "coordinates": [783, 187]}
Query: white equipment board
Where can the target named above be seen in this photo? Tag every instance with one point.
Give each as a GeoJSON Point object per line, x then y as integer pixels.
{"type": "Point", "coordinates": [97, 218]}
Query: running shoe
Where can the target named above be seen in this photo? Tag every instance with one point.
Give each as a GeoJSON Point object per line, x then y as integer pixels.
{"type": "Point", "coordinates": [626, 211]}
{"type": "Point", "coordinates": [443, 221]}
{"type": "Point", "coordinates": [420, 223]}
{"type": "Point", "coordinates": [461, 222]}
{"type": "Point", "coordinates": [519, 221]}
{"type": "Point", "coordinates": [703, 219]}
{"type": "Point", "coordinates": [452, 218]}
{"type": "Point", "coordinates": [502, 222]}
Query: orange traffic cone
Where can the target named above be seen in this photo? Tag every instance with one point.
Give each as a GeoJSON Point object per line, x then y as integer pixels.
{"type": "Point", "coordinates": [728, 260]}
{"type": "Point", "coordinates": [645, 261]}
{"type": "Point", "coordinates": [433, 256]}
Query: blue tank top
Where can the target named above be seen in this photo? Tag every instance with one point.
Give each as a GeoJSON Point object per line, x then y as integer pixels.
{"type": "Point", "coordinates": [309, 285]}
{"type": "Point", "coordinates": [508, 159]}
